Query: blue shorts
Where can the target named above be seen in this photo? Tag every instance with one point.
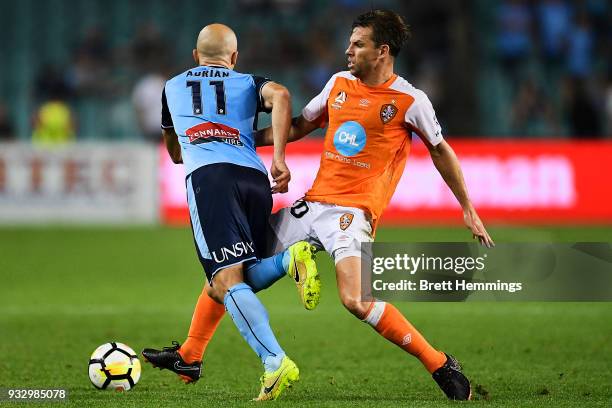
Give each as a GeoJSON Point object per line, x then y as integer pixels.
{"type": "Point", "coordinates": [229, 207]}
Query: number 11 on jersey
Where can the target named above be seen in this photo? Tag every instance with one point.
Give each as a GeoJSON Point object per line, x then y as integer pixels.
{"type": "Point", "coordinates": [196, 96]}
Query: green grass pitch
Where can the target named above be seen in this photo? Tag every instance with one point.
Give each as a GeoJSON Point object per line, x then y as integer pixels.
{"type": "Point", "coordinates": [64, 291]}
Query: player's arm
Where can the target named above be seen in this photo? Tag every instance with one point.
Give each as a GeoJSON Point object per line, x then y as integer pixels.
{"type": "Point", "coordinates": [421, 119]}
{"type": "Point", "coordinates": [277, 98]}
{"type": "Point", "coordinates": [168, 133]}
{"type": "Point", "coordinates": [300, 127]}
{"type": "Point", "coordinates": [172, 145]}
{"type": "Point", "coordinates": [314, 116]}
{"type": "Point", "coordinates": [447, 164]}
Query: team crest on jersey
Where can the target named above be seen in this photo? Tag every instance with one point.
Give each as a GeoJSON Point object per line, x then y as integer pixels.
{"type": "Point", "coordinates": [339, 100]}
{"type": "Point", "coordinates": [345, 220]}
{"type": "Point", "coordinates": [213, 132]}
{"type": "Point", "coordinates": [387, 112]}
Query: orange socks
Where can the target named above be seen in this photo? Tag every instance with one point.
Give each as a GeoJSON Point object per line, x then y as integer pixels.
{"type": "Point", "coordinates": [392, 325]}
{"type": "Point", "coordinates": [206, 318]}
{"type": "Point", "coordinates": [382, 316]}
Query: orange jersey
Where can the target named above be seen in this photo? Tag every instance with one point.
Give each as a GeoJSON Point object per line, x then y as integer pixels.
{"type": "Point", "coordinates": [367, 140]}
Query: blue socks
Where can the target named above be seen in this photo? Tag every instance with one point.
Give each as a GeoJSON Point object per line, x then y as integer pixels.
{"type": "Point", "coordinates": [251, 318]}
{"type": "Point", "coordinates": [263, 273]}
{"type": "Point", "coordinates": [250, 315]}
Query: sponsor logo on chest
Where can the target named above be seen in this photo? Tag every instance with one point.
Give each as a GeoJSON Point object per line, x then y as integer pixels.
{"type": "Point", "coordinates": [350, 138]}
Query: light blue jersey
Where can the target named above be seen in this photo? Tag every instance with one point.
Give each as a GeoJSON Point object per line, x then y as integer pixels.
{"type": "Point", "coordinates": [213, 110]}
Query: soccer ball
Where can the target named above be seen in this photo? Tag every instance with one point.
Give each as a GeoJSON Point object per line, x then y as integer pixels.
{"type": "Point", "coordinates": [114, 366]}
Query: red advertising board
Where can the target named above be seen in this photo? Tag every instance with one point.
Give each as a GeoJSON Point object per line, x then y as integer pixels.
{"type": "Point", "coordinates": [518, 181]}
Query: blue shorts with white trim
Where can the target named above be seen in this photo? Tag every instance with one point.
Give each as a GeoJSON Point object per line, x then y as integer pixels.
{"type": "Point", "coordinates": [229, 207]}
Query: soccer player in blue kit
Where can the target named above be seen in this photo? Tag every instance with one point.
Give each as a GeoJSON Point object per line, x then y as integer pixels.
{"type": "Point", "coordinates": [209, 115]}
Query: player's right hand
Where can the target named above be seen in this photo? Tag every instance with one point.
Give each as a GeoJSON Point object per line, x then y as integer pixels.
{"type": "Point", "coordinates": [280, 175]}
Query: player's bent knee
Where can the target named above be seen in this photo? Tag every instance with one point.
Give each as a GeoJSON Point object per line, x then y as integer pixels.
{"type": "Point", "coordinates": [217, 294]}
{"type": "Point", "coordinates": [214, 295]}
{"type": "Point", "coordinates": [223, 280]}
{"type": "Point", "coordinates": [356, 306]}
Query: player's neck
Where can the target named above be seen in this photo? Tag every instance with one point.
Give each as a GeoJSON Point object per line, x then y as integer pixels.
{"type": "Point", "coordinates": [378, 77]}
{"type": "Point", "coordinates": [215, 63]}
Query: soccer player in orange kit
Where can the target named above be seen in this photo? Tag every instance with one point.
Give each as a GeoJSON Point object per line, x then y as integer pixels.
{"type": "Point", "coordinates": [371, 114]}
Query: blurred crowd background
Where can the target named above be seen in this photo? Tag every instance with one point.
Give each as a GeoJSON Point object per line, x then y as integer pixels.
{"type": "Point", "coordinates": [94, 69]}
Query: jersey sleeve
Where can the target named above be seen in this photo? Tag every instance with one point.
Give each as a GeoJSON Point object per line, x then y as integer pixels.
{"type": "Point", "coordinates": [421, 118]}
{"type": "Point", "coordinates": [166, 118]}
{"type": "Point", "coordinates": [316, 110]}
{"type": "Point", "coordinates": [259, 84]}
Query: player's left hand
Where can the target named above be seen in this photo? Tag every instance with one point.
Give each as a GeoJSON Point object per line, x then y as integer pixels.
{"type": "Point", "coordinates": [473, 223]}
{"type": "Point", "coordinates": [280, 175]}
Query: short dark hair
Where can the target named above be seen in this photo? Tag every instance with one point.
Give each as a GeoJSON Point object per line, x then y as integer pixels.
{"type": "Point", "coordinates": [388, 28]}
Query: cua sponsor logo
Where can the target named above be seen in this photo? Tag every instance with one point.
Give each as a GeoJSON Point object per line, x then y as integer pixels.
{"type": "Point", "coordinates": [235, 251]}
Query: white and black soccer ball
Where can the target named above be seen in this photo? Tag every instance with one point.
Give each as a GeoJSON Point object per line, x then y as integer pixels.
{"type": "Point", "coordinates": [114, 366]}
